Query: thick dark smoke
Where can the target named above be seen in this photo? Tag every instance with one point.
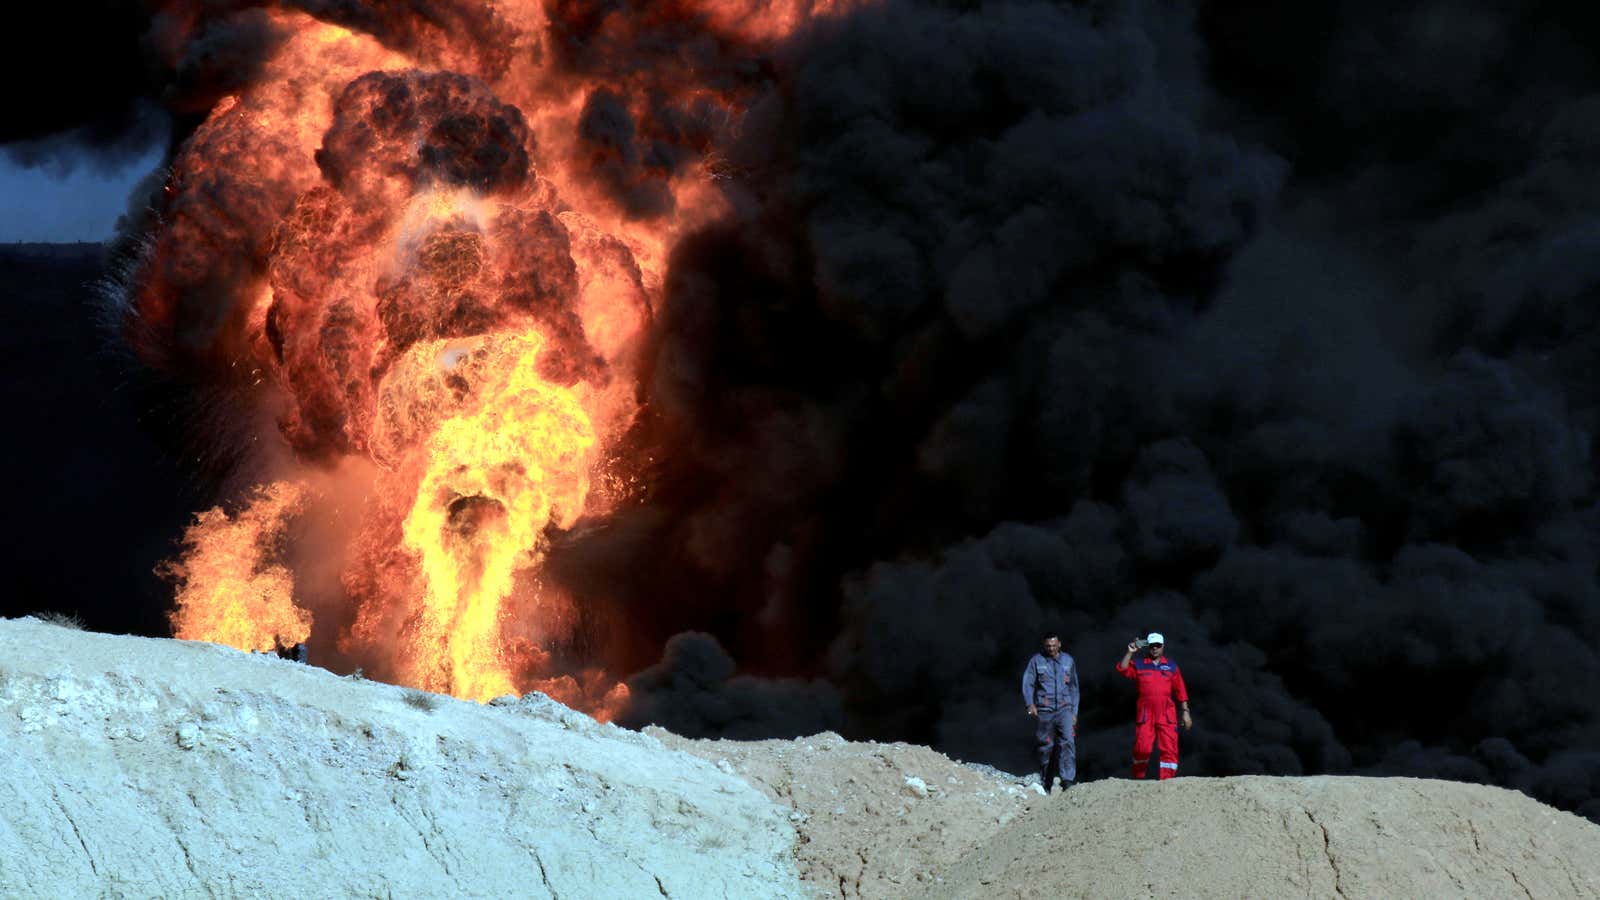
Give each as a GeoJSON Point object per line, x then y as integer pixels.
{"type": "Point", "coordinates": [1271, 327]}
{"type": "Point", "coordinates": [694, 689]}
{"type": "Point", "coordinates": [79, 87]}
{"type": "Point", "coordinates": [1020, 324]}
{"type": "Point", "coordinates": [641, 128]}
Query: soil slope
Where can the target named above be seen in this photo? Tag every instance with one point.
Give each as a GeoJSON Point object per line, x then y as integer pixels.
{"type": "Point", "coordinates": [1285, 837]}
{"type": "Point", "coordinates": [137, 767]}
{"type": "Point", "coordinates": [896, 820]}
{"type": "Point", "coordinates": [157, 768]}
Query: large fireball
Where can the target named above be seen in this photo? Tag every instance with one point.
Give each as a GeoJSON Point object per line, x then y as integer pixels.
{"type": "Point", "coordinates": [420, 253]}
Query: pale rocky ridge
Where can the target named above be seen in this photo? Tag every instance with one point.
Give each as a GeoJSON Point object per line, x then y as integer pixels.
{"type": "Point", "coordinates": [141, 768]}
{"type": "Point", "coordinates": [154, 768]}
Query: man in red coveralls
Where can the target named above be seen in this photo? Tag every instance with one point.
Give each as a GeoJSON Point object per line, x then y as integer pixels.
{"type": "Point", "coordinates": [1160, 683]}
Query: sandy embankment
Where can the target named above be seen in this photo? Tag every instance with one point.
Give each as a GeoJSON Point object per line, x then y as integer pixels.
{"type": "Point", "coordinates": [138, 767]}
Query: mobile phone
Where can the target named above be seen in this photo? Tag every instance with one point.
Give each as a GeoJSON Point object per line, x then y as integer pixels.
{"type": "Point", "coordinates": [1140, 643]}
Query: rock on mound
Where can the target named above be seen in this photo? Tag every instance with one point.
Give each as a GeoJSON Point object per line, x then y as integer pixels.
{"type": "Point", "coordinates": [138, 767]}
{"type": "Point", "coordinates": [1285, 837]}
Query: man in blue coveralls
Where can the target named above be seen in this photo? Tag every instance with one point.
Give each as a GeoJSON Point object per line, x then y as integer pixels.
{"type": "Point", "coordinates": [1050, 690]}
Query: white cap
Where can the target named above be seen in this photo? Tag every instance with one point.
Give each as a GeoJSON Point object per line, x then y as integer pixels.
{"type": "Point", "coordinates": [1155, 638]}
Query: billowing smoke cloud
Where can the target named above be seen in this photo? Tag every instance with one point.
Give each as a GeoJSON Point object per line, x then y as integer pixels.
{"type": "Point", "coordinates": [81, 89]}
{"type": "Point", "coordinates": [695, 689]}
{"type": "Point", "coordinates": [1017, 326]}
{"type": "Point", "coordinates": [641, 127]}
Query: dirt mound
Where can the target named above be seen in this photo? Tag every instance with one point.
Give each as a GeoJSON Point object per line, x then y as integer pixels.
{"type": "Point", "coordinates": [898, 820]}
{"type": "Point", "coordinates": [143, 767]}
{"type": "Point", "coordinates": [875, 820]}
{"type": "Point", "coordinates": [1285, 837]}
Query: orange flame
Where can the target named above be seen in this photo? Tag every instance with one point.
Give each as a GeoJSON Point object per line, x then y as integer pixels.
{"type": "Point", "coordinates": [403, 238]}
{"type": "Point", "coordinates": [230, 591]}
{"type": "Point", "coordinates": [496, 477]}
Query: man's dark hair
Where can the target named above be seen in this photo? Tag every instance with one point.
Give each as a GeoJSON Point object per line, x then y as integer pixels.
{"type": "Point", "coordinates": [1050, 633]}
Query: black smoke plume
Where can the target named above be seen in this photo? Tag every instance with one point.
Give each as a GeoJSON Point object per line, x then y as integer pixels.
{"type": "Point", "coordinates": [1113, 318]}
{"type": "Point", "coordinates": [81, 90]}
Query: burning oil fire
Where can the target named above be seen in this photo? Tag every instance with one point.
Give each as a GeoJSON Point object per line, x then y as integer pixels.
{"type": "Point", "coordinates": [228, 588]}
{"type": "Point", "coordinates": [423, 251]}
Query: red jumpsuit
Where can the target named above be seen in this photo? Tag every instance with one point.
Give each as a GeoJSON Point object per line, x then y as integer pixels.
{"type": "Point", "coordinates": [1160, 683]}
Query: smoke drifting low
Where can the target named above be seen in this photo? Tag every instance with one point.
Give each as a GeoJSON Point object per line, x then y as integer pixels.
{"type": "Point", "coordinates": [1271, 331]}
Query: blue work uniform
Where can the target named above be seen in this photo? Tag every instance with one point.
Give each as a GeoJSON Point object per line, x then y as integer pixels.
{"type": "Point", "coordinates": [1051, 687]}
